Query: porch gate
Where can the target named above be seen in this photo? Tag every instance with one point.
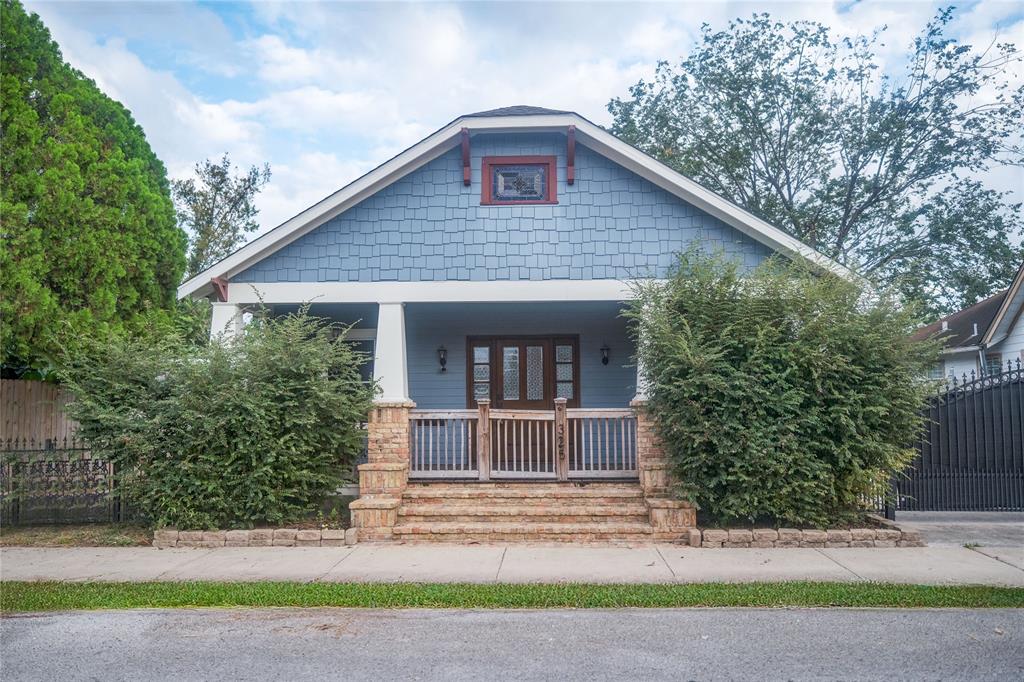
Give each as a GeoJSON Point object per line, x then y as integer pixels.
{"type": "Point", "coordinates": [559, 444]}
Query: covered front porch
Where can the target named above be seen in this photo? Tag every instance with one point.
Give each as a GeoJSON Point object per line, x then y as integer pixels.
{"type": "Point", "coordinates": [505, 410]}
{"type": "Point", "coordinates": [516, 390]}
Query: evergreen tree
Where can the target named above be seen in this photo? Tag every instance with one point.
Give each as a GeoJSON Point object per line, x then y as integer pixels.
{"type": "Point", "coordinates": [88, 226]}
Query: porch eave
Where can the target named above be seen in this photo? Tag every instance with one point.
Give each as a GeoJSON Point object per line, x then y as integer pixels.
{"type": "Point", "coordinates": [496, 291]}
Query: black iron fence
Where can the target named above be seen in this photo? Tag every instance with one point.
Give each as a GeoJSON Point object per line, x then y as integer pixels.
{"type": "Point", "coordinates": [971, 454]}
{"type": "Point", "coordinates": [56, 482]}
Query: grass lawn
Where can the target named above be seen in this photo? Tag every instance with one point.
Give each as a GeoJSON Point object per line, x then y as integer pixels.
{"type": "Point", "coordinates": [52, 596]}
{"type": "Point", "coordinates": [83, 535]}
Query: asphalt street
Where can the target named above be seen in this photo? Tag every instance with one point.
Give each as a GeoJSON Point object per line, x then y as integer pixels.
{"type": "Point", "coordinates": [623, 644]}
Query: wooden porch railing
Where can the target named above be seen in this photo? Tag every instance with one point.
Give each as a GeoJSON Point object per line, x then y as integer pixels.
{"type": "Point", "coordinates": [557, 444]}
{"type": "Point", "coordinates": [443, 443]}
{"type": "Point", "coordinates": [601, 443]}
{"type": "Point", "coordinates": [526, 443]}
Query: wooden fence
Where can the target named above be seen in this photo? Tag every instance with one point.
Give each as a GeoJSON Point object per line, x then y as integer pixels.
{"type": "Point", "coordinates": [34, 411]}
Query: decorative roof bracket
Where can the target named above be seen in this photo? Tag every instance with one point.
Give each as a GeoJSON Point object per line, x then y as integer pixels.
{"type": "Point", "coordinates": [220, 289]}
{"type": "Point", "coordinates": [465, 157]}
{"type": "Point", "coordinates": [571, 156]}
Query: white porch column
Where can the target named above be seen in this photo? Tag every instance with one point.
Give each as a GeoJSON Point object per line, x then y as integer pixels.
{"type": "Point", "coordinates": [390, 367]}
{"type": "Point", "coordinates": [641, 379]}
{"type": "Point", "coordinates": [226, 319]}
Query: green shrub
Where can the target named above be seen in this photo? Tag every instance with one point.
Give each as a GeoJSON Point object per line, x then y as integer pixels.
{"type": "Point", "coordinates": [258, 430]}
{"type": "Point", "coordinates": [781, 394]}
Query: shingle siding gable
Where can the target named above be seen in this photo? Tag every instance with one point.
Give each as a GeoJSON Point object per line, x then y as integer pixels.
{"type": "Point", "coordinates": [428, 226]}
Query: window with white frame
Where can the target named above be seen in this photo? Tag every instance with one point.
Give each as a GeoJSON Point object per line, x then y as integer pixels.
{"type": "Point", "coordinates": [993, 363]}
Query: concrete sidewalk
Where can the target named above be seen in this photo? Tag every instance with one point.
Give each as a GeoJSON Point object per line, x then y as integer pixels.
{"type": "Point", "coordinates": [656, 563]}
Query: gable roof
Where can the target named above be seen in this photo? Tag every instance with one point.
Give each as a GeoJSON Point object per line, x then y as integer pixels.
{"type": "Point", "coordinates": [509, 119]}
{"type": "Point", "coordinates": [981, 325]}
{"type": "Point", "coordinates": [1009, 312]}
{"type": "Point", "coordinates": [964, 328]}
{"type": "Point", "coordinates": [517, 110]}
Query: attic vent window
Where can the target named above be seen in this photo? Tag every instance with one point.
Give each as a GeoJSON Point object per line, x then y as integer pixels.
{"type": "Point", "coordinates": [516, 180]}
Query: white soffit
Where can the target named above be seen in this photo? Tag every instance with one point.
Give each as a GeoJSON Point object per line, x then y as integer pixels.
{"type": "Point", "coordinates": [550, 290]}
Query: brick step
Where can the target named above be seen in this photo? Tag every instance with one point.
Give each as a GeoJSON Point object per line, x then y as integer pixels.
{"type": "Point", "coordinates": [525, 502]}
{"type": "Point", "coordinates": [412, 514]}
{"type": "Point", "coordinates": [523, 532]}
{"type": "Point", "coordinates": [471, 492]}
{"type": "Point", "coordinates": [555, 508]}
{"type": "Point", "coordinates": [568, 538]}
{"type": "Point", "coordinates": [525, 485]}
{"type": "Point", "coordinates": [415, 519]}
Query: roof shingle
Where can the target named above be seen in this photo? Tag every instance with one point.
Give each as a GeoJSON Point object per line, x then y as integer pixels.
{"type": "Point", "coordinates": [960, 326]}
{"type": "Point", "coordinates": [517, 110]}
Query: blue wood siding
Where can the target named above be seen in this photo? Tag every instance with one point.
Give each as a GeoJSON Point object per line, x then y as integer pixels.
{"type": "Point", "coordinates": [359, 315]}
{"type": "Point", "coordinates": [428, 326]}
{"type": "Point", "coordinates": [428, 226]}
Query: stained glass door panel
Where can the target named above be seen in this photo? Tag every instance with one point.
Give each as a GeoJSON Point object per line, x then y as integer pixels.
{"type": "Point", "coordinates": [523, 375]}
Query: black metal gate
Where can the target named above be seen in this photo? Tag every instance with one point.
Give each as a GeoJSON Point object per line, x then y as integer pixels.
{"type": "Point", "coordinates": [971, 455]}
{"type": "Point", "coordinates": [51, 482]}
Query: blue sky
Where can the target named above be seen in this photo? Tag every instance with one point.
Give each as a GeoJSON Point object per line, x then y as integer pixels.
{"type": "Point", "coordinates": [326, 91]}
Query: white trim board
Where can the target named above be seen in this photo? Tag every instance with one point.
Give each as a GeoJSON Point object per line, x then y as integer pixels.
{"type": "Point", "coordinates": [430, 292]}
{"type": "Point", "coordinates": [447, 137]}
{"type": "Point", "coordinates": [1014, 299]}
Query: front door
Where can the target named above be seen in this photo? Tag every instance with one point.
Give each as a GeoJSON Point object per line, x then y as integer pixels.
{"type": "Point", "coordinates": [523, 372]}
{"type": "Point", "coordinates": [523, 382]}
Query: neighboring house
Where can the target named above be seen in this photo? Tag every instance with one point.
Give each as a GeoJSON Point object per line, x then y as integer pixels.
{"type": "Point", "coordinates": [981, 339]}
{"type": "Point", "coordinates": [486, 268]}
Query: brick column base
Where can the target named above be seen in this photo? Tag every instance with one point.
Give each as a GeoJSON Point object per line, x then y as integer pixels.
{"type": "Point", "coordinates": [385, 476]}
{"type": "Point", "coordinates": [670, 518]}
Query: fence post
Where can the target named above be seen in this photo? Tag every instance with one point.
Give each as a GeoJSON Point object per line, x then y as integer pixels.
{"type": "Point", "coordinates": [562, 452]}
{"type": "Point", "coordinates": [10, 497]}
{"type": "Point", "coordinates": [483, 437]}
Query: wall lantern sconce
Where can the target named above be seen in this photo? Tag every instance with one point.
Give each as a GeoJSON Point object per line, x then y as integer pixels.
{"type": "Point", "coordinates": [605, 350]}
{"type": "Point", "coordinates": [442, 357]}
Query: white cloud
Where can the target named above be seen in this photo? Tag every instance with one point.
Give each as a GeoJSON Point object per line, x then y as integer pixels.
{"type": "Point", "coordinates": [307, 108]}
{"type": "Point", "coordinates": [280, 63]}
{"type": "Point", "coordinates": [656, 39]}
{"type": "Point", "coordinates": [298, 184]}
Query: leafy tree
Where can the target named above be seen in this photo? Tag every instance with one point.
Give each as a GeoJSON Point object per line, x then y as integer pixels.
{"type": "Point", "coordinates": [806, 131]}
{"type": "Point", "coordinates": [229, 434]}
{"type": "Point", "coordinates": [88, 228]}
{"type": "Point", "coordinates": [216, 209]}
{"type": "Point", "coordinates": [780, 395]}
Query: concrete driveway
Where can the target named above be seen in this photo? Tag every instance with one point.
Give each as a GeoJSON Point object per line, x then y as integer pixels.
{"type": "Point", "coordinates": [985, 529]}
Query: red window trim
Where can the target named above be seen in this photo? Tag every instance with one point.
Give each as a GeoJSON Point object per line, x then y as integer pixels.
{"type": "Point", "coordinates": [485, 179]}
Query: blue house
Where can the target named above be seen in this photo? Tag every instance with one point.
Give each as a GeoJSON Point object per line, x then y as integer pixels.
{"type": "Point", "coordinates": [485, 268]}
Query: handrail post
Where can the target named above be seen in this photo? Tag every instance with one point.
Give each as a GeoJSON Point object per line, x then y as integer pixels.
{"type": "Point", "coordinates": [561, 437]}
{"type": "Point", "coordinates": [483, 439]}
